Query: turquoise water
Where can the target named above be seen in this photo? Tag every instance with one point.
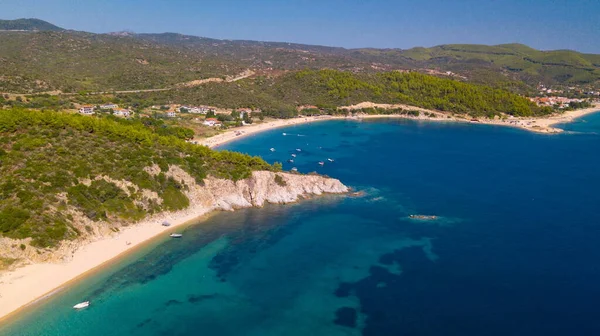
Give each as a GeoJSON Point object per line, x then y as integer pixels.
{"type": "Point", "coordinates": [513, 251]}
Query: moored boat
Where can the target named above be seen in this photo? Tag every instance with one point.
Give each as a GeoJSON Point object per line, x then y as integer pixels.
{"type": "Point", "coordinates": [321, 163]}
{"type": "Point", "coordinates": [175, 235]}
{"type": "Point", "coordinates": [272, 149]}
{"type": "Point", "coordinates": [82, 305]}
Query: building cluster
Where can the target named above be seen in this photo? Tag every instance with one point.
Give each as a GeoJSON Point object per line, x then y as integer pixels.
{"type": "Point", "coordinates": [119, 112]}
{"type": "Point", "coordinates": [561, 102]}
{"type": "Point", "coordinates": [196, 109]}
{"type": "Point", "coordinates": [170, 111]}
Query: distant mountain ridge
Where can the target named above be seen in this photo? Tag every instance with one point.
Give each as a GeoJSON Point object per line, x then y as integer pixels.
{"type": "Point", "coordinates": [72, 61]}
{"type": "Point", "coordinates": [28, 25]}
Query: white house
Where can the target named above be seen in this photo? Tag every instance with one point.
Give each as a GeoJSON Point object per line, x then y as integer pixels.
{"type": "Point", "coordinates": [86, 109]}
{"type": "Point", "coordinates": [109, 106]}
{"type": "Point", "coordinates": [171, 114]}
{"type": "Point", "coordinates": [122, 113]}
{"type": "Point", "coordinates": [212, 122]}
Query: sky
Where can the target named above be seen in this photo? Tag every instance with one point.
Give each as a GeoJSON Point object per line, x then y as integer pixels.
{"type": "Point", "coordinates": [542, 24]}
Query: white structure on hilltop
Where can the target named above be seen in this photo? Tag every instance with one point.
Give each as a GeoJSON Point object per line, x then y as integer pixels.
{"type": "Point", "coordinates": [86, 109]}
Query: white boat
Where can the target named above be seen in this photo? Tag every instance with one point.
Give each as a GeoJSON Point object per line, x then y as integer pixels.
{"type": "Point", "coordinates": [321, 163]}
{"type": "Point", "coordinates": [295, 169]}
{"type": "Point", "coordinates": [284, 133]}
{"type": "Point", "coordinates": [330, 160]}
{"type": "Point", "coordinates": [291, 161]}
{"type": "Point", "coordinates": [293, 155]}
{"type": "Point", "coordinates": [175, 235]}
{"type": "Point", "coordinates": [298, 150]}
{"type": "Point", "coordinates": [82, 305]}
{"type": "Point", "coordinates": [272, 149]}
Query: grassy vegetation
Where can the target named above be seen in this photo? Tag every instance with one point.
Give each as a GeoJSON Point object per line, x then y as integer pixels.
{"type": "Point", "coordinates": [518, 60]}
{"type": "Point", "coordinates": [6, 262]}
{"type": "Point", "coordinates": [76, 61]}
{"type": "Point", "coordinates": [46, 157]}
{"type": "Point", "coordinates": [330, 89]}
{"type": "Point", "coordinates": [51, 59]}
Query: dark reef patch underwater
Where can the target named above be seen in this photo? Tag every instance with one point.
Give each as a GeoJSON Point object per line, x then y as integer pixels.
{"type": "Point", "coordinates": [512, 250]}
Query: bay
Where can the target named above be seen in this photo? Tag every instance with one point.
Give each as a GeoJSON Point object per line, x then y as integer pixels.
{"type": "Point", "coordinates": [512, 249]}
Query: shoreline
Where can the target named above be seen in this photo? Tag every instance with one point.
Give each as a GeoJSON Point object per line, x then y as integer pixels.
{"type": "Point", "coordinates": [26, 285]}
{"type": "Point", "coordinates": [537, 125]}
{"type": "Point", "coordinates": [546, 124]}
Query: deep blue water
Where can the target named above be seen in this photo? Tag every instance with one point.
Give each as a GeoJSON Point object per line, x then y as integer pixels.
{"type": "Point", "coordinates": [514, 251]}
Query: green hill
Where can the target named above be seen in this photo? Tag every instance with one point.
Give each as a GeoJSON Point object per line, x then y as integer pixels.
{"type": "Point", "coordinates": [75, 61]}
{"type": "Point", "coordinates": [47, 157]}
{"type": "Point", "coordinates": [40, 60]}
{"type": "Point", "coordinates": [520, 61]}
{"type": "Point", "coordinates": [332, 88]}
{"type": "Point", "coordinates": [28, 24]}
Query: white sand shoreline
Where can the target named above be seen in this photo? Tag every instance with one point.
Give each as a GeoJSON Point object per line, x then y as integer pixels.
{"type": "Point", "coordinates": [538, 125]}
{"type": "Point", "coordinates": [31, 283]}
{"type": "Point", "coordinates": [27, 285]}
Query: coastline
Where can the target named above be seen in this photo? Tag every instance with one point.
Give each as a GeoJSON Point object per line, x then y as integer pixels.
{"type": "Point", "coordinates": [544, 125]}
{"type": "Point", "coordinates": [26, 285]}
{"type": "Point", "coordinates": [30, 283]}
{"type": "Point", "coordinates": [538, 125]}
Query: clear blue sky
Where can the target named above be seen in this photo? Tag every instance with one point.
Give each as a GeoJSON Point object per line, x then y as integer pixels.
{"type": "Point", "coordinates": [543, 24]}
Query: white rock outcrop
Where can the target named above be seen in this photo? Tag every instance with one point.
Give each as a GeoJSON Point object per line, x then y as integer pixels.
{"type": "Point", "coordinates": [213, 194]}
{"type": "Point", "coordinates": [260, 188]}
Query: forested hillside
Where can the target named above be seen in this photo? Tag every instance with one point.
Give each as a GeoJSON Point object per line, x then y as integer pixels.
{"type": "Point", "coordinates": [28, 24]}
{"type": "Point", "coordinates": [518, 60]}
{"type": "Point", "coordinates": [55, 59]}
{"type": "Point", "coordinates": [51, 162]}
{"type": "Point", "coordinates": [331, 89]}
{"type": "Point", "coordinates": [77, 61]}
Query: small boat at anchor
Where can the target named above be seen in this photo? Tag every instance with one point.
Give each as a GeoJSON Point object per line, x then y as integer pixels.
{"type": "Point", "coordinates": [82, 305]}
{"type": "Point", "coordinates": [298, 150]}
{"type": "Point", "coordinates": [294, 169]}
{"type": "Point", "coordinates": [272, 149]}
{"type": "Point", "coordinates": [330, 160]}
{"type": "Point", "coordinates": [175, 235]}
{"type": "Point", "coordinates": [284, 134]}
{"type": "Point", "coordinates": [293, 155]}
{"type": "Point", "coordinates": [321, 163]}
{"type": "Point", "coordinates": [291, 161]}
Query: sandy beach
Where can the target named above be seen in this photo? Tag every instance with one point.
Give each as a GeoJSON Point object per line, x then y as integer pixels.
{"type": "Point", "coordinates": [544, 125]}
{"type": "Point", "coordinates": [539, 125]}
{"type": "Point", "coordinates": [26, 284]}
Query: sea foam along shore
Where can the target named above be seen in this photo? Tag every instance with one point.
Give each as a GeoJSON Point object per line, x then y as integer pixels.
{"type": "Point", "coordinates": [29, 283]}
{"type": "Point", "coordinates": [539, 125]}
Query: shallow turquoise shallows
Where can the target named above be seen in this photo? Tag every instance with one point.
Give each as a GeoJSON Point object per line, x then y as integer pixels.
{"type": "Point", "coordinates": [514, 248]}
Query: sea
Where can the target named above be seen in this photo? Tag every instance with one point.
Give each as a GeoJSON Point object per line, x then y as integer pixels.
{"type": "Point", "coordinates": [451, 229]}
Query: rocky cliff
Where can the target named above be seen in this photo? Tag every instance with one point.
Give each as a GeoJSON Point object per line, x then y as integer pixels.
{"type": "Point", "coordinates": [213, 194]}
